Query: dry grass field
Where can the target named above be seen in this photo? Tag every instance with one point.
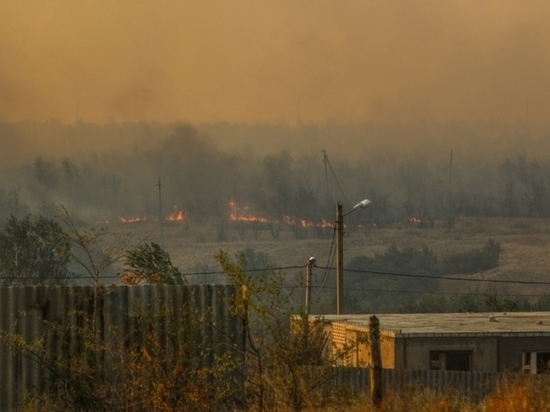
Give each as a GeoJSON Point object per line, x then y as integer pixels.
{"type": "Point", "coordinates": [524, 242]}
{"type": "Point", "coordinates": [513, 394]}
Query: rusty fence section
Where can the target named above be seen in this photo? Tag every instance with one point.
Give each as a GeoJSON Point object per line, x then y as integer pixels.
{"type": "Point", "coordinates": [28, 313]}
{"type": "Point", "coordinates": [476, 384]}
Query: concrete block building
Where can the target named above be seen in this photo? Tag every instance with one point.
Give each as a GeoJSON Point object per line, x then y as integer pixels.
{"type": "Point", "coordinates": [477, 342]}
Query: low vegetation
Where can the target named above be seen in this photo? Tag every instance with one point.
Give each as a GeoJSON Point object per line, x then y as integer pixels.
{"type": "Point", "coordinates": [512, 393]}
{"type": "Point", "coordinates": [384, 282]}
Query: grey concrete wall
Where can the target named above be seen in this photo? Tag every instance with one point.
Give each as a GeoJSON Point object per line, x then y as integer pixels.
{"type": "Point", "coordinates": [484, 351]}
{"type": "Point", "coordinates": [511, 350]}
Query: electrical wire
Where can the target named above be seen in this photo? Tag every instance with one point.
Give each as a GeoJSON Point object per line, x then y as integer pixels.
{"type": "Point", "coordinates": [218, 272]}
{"type": "Point", "coordinates": [337, 182]}
{"type": "Point", "coordinates": [322, 285]}
{"type": "Point", "coordinates": [409, 275]}
{"type": "Point", "coordinates": [329, 260]}
{"type": "Point", "coordinates": [421, 292]}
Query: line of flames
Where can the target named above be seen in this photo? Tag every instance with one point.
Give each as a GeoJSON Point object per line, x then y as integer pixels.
{"type": "Point", "coordinates": [177, 215]}
{"type": "Point", "coordinates": [236, 214]}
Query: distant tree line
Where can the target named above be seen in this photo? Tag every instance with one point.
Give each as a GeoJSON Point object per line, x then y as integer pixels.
{"type": "Point", "coordinates": [414, 179]}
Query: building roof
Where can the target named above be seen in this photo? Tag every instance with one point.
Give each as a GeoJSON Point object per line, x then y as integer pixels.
{"type": "Point", "coordinates": [455, 324]}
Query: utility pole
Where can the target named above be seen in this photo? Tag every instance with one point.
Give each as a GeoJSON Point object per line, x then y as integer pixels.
{"type": "Point", "coordinates": [375, 362]}
{"type": "Point", "coordinates": [310, 263]}
{"type": "Point", "coordinates": [160, 213]}
{"type": "Point", "coordinates": [340, 251]}
{"type": "Point", "coordinates": [325, 160]}
{"type": "Point", "coordinates": [451, 179]}
{"type": "Point", "coordinates": [339, 259]}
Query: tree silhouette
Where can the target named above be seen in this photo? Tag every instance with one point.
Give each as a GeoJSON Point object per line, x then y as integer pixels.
{"type": "Point", "coordinates": [34, 250]}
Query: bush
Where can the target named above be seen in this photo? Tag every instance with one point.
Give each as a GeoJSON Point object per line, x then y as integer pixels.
{"type": "Point", "coordinates": [473, 261]}
{"type": "Point", "coordinates": [389, 290]}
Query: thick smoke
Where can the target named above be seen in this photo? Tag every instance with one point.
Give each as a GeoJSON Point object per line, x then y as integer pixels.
{"type": "Point", "coordinates": [275, 62]}
{"type": "Point", "coordinates": [494, 169]}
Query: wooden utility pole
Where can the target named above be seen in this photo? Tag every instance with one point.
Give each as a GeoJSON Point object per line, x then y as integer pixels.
{"type": "Point", "coordinates": [325, 160]}
{"type": "Point", "coordinates": [451, 208]}
{"type": "Point", "coordinates": [161, 218]}
{"type": "Point", "coordinates": [339, 259]}
{"type": "Point", "coordinates": [375, 362]}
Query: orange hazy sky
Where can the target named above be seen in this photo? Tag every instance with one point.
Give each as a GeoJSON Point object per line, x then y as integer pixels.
{"type": "Point", "coordinates": [272, 61]}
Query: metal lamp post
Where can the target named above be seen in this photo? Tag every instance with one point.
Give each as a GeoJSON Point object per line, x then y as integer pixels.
{"type": "Point", "coordinates": [340, 250]}
{"type": "Point", "coordinates": [310, 264]}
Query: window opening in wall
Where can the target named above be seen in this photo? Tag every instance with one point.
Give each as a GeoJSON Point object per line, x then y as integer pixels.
{"type": "Point", "coordinates": [536, 363]}
{"type": "Point", "coordinates": [543, 362]}
{"type": "Point", "coordinates": [451, 360]}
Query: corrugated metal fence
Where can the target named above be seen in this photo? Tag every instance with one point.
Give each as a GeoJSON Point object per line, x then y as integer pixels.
{"type": "Point", "coordinates": [475, 384]}
{"type": "Point", "coordinates": [112, 312]}
{"type": "Point", "coordinates": [30, 312]}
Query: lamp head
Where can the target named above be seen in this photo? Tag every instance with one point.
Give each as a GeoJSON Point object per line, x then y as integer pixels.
{"type": "Point", "coordinates": [363, 204]}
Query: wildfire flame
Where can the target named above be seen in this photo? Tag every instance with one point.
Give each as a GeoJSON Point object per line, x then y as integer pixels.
{"type": "Point", "coordinates": [134, 219]}
{"type": "Point", "coordinates": [238, 215]}
{"type": "Point", "coordinates": [177, 215]}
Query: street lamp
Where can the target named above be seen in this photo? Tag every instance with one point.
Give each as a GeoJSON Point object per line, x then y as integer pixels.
{"type": "Point", "coordinates": [340, 250]}
{"type": "Point", "coordinates": [310, 263]}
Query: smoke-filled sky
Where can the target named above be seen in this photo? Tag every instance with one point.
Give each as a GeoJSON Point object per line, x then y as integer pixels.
{"type": "Point", "coordinates": [275, 61]}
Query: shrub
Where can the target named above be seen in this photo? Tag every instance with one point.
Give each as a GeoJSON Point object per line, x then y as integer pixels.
{"type": "Point", "coordinates": [473, 261]}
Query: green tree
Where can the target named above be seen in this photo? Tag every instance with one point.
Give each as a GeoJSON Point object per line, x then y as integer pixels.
{"type": "Point", "coordinates": [34, 250]}
{"type": "Point", "coordinates": [494, 304]}
{"type": "Point", "coordinates": [93, 252]}
{"type": "Point", "coordinates": [151, 263]}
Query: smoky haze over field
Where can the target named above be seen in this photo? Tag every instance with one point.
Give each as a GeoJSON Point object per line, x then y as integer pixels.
{"type": "Point", "coordinates": [105, 171]}
{"type": "Point", "coordinates": [236, 100]}
{"type": "Point", "coordinates": [275, 62]}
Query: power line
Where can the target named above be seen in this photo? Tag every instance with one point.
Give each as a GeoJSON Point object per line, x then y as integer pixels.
{"type": "Point", "coordinates": [327, 268]}
{"type": "Point", "coordinates": [409, 275]}
{"type": "Point", "coordinates": [420, 292]}
{"type": "Point", "coordinates": [84, 277]}
{"type": "Point", "coordinates": [330, 259]}
{"type": "Point", "coordinates": [335, 178]}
